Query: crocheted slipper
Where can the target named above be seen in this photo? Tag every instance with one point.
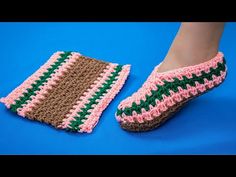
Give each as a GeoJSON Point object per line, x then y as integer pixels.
{"type": "Point", "coordinates": [162, 94]}
{"type": "Point", "coordinates": [69, 91]}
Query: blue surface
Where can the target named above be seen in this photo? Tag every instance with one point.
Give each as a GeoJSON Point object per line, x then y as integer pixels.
{"type": "Point", "coordinates": [207, 125]}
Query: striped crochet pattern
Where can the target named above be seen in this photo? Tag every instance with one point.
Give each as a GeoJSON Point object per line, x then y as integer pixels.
{"type": "Point", "coordinates": [69, 91]}
{"type": "Point", "coordinates": [162, 94]}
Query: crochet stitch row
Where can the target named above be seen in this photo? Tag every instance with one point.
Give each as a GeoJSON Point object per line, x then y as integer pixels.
{"type": "Point", "coordinates": [163, 90]}
{"type": "Point", "coordinates": [18, 103]}
{"type": "Point", "coordinates": [69, 91]}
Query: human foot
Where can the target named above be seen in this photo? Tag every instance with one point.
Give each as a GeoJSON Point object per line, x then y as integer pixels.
{"type": "Point", "coordinates": [178, 58]}
{"type": "Point", "coordinates": [194, 43]}
{"type": "Point", "coordinates": [164, 93]}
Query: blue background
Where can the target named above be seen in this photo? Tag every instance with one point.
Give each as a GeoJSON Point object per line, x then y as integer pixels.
{"type": "Point", "coordinates": [207, 125]}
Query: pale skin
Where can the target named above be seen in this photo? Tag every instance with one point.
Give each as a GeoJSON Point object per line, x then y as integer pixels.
{"type": "Point", "coordinates": [195, 43]}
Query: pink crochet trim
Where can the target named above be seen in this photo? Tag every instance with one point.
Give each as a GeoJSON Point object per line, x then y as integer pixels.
{"type": "Point", "coordinates": [88, 94]}
{"type": "Point", "coordinates": [18, 91]}
{"type": "Point", "coordinates": [40, 95]}
{"type": "Point", "coordinates": [53, 93]}
{"type": "Point", "coordinates": [104, 102]}
{"type": "Point", "coordinates": [157, 79]}
{"type": "Point", "coordinates": [168, 101]}
{"type": "Point", "coordinates": [171, 100]}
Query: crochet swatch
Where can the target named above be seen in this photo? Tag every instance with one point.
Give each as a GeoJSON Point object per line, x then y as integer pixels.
{"type": "Point", "coordinates": [163, 94]}
{"type": "Point", "coordinates": [69, 91]}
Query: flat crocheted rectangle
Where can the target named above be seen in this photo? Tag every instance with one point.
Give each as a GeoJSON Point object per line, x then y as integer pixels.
{"type": "Point", "coordinates": [69, 91]}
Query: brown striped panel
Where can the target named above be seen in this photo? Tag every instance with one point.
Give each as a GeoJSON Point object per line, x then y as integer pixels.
{"type": "Point", "coordinates": [67, 92]}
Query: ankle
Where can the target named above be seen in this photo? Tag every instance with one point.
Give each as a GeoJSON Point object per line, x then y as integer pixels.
{"type": "Point", "coordinates": [189, 55]}
{"type": "Point", "coordinates": [186, 56]}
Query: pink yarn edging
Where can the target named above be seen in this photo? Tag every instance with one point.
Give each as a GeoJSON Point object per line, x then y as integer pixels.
{"type": "Point", "coordinates": [171, 100]}
{"type": "Point", "coordinates": [41, 94]}
{"type": "Point", "coordinates": [18, 91]}
{"type": "Point", "coordinates": [88, 94]}
{"type": "Point", "coordinates": [156, 78]}
{"type": "Point", "coordinates": [93, 118]}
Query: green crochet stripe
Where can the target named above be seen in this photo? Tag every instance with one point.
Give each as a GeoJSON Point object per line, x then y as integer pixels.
{"type": "Point", "coordinates": [74, 124]}
{"type": "Point", "coordinates": [35, 86]}
{"type": "Point", "coordinates": [167, 86]}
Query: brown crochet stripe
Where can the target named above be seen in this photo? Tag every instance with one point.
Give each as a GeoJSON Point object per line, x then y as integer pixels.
{"type": "Point", "coordinates": [67, 92]}
{"type": "Point", "coordinates": [156, 122]}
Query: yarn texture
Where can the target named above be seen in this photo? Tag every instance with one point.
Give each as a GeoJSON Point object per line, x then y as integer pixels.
{"type": "Point", "coordinates": [70, 91]}
{"type": "Point", "coordinates": [162, 94]}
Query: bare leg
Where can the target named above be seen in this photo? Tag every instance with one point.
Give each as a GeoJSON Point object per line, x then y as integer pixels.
{"type": "Point", "coordinates": [195, 42]}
